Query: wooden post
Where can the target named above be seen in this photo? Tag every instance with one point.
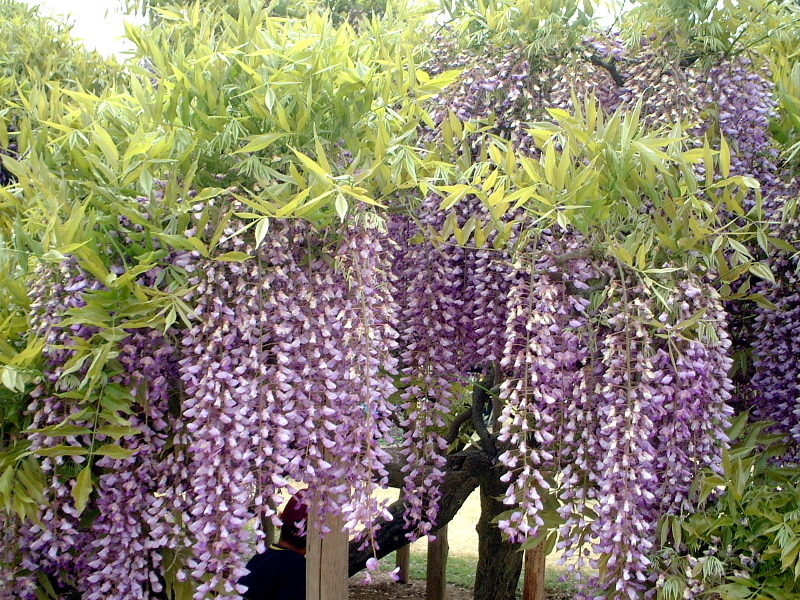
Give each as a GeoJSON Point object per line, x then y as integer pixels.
{"type": "Point", "coordinates": [533, 589]}
{"type": "Point", "coordinates": [326, 559]}
{"type": "Point", "coordinates": [436, 585]}
{"type": "Point", "coordinates": [403, 557]}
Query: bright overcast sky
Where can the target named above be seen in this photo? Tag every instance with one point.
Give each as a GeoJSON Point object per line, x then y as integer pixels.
{"type": "Point", "coordinates": [100, 25]}
{"type": "Point", "coordinates": [97, 22]}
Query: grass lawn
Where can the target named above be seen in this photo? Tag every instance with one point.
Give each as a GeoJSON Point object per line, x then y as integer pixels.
{"type": "Point", "coordinates": [461, 572]}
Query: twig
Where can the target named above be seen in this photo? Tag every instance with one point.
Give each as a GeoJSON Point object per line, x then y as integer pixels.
{"type": "Point", "coordinates": [565, 257]}
{"type": "Point", "coordinates": [610, 66]}
{"type": "Point", "coordinates": [455, 426]}
{"type": "Point", "coordinates": [480, 396]}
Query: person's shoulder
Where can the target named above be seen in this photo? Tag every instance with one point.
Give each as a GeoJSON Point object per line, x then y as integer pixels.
{"type": "Point", "coordinates": [288, 557]}
{"type": "Point", "coordinates": [274, 568]}
{"type": "Point", "coordinates": [259, 558]}
{"type": "Point", "coordinates": [274, 558]}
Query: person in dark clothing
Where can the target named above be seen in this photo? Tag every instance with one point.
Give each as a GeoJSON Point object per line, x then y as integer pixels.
{"type": "Point", "coordinates": [279, 573]}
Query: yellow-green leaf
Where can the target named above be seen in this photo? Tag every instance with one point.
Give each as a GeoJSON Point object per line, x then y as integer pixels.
{"type": "Point", "coordinates": [763, 271]}
{"type": "Point", "coordinates": [312, 166]}
{"type": "Point", "coordinates": [64, 430]}
{"type": "Point", "coordinates": [233, 257]}
{"type": "Point", "coordinates": [83, 488]}
{"type": "Point", "coordinates": [106, 145]}
{"type": "Point", "coordinates": [117, 431]}
{"type": "Point", "coordinates": [113, 451]}
{"type": "Point", "coordinates": [260, 142]}
{"type": "Point", "coordinates": [262, 228]}
{"type": "Point", "coordinates": [724, 157]}
{"type": "Point", "coordinates": [62, 450]}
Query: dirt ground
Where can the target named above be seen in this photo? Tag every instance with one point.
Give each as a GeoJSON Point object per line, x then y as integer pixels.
{"type": "Point", "coordinates": [383, 588]}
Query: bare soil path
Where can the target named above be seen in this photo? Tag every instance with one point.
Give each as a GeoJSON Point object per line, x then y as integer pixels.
{"type": "Point", "coordinates": [383, 588]}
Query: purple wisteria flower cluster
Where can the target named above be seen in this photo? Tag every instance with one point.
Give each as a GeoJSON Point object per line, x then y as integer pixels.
{"type": "Point", "coordinates": [775, 385]}
{"type": "Point", "coordinates": [611, 400]}
{"type": "Point", "coordinates": [120, 555]}
{"type": "Point", "coordinates": [611, 414]}
{"type": "Point", "coordinates": [281, 381]}
{"type": "Point", "coordinates": [429, 290]}
{"type": "Point", "coordinates": [288, 371]}
{"type": "Point", "coordinates": [506, 87]}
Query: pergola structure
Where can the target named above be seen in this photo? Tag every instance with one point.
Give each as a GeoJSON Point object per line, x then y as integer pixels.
{"type": "Point", "coordinates": [327, 564]}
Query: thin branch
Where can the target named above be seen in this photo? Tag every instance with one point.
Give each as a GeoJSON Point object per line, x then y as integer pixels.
{"type": "Point", "coordinates": [611, 66]}
{"type": "Point", "coordinates": [480, 397]}
{"type": "Point", "coordinates": [463, 473]}
{"type": "Point", "coordinates": [455, 426]}
{"type": "Point", "coordinates": [565, 257]}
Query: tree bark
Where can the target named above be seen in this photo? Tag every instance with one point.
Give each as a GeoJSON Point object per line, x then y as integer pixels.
{"type": "Point", "coordinates": [499, 562]}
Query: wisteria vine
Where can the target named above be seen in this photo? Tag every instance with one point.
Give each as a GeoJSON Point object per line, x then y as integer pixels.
{"type": "Point", "coordinates": [300, 348]}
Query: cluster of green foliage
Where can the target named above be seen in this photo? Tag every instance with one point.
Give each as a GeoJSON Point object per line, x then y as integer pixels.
{"type": "Point", "coordinates": [721, 28]}
{"type": "Point", "coordinates": [744, 542]}
{"type": "Point", "coordinates": [36, 49]}
{"type": "Point", "coordinates": [767, 31]}
{"type": "Point", "coordinates": [37, 55]}
{"type": "Point", "coordinates": [632, 191]}
{"type": "Point", "coordinates": [341, 10]}
{"type": "Point", "coordinates": [542, 25]}
{"type": "Point", "coordinates": [300, 117]}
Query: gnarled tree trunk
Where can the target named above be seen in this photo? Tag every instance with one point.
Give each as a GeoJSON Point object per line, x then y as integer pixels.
{"type": "Point", "coordinates": [499, 562]}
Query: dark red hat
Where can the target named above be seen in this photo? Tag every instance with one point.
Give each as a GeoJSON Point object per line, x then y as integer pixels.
{"type": "Point", "coordinates": [296, 509]}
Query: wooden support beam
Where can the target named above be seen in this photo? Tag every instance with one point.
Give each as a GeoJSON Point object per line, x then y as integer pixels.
{"type": "Point", "coordinates": [533, 588]}
{"type": "Point", "coordinates": [326, 559]}
{"type": "Point", "coordinates": [403, 557]}
{"type": "Point", "coordinates": [436, 585]}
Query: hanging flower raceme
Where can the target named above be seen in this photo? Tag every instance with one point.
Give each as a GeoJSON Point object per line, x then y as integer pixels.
{"type": "Point", "coordinates": [776, 346]}
{"type": "Point", "coordinates": [221, 371]}
{"type": "Point", "coordinates": [292, 355]}
{"type": "Point", "coordinates": [53, 545]}
{"type": "Point", "coordinates": [135, 522]}
{"type": "Point", "coordinates": [14, 585]}
{"type": "Point", "coordinates": [119, 554]}
{"type": "Point", "coordinates": [545, 344]}
{"type": "Point", "coordinates": [368, 338]}
{"type": "Point", "coordinates": [599, 405]}
{"type": "Point", "coordinates": [431, 362]}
